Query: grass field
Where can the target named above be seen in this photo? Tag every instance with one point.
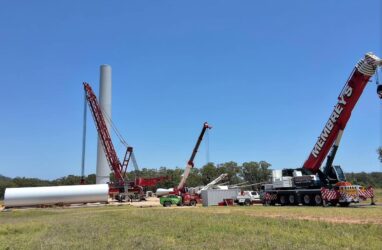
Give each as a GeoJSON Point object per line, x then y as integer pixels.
{"type": "Point", "coordinates": [125, 227]}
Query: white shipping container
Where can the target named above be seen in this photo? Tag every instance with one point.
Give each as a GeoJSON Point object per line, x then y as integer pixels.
{"type": "Point", "coordinates": [212, 197]}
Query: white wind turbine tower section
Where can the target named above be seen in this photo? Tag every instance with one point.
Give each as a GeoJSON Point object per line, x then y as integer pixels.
{"type": "Point", "coordinates": [103, 169]}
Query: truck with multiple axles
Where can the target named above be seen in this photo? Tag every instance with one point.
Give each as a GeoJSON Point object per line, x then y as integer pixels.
{"type": "Point", "coordinates": [121, 188]}
{"type": "Point", "coordinates": [185, 197]}
{"type": "Point", "coordinates": [311, 184]}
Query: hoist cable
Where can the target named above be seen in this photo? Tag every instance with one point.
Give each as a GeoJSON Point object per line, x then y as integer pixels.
{"type": "Point", "coordinates": [121, 139]}
{"type": "Point", "coordinates": [207, 142]}
{"type": "Point", "coordinates": [380, 120]}
{"type": "Point", "coordinates": [115, 129]}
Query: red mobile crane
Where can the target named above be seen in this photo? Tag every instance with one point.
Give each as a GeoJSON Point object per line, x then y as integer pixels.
{"type": "Point", "coordinates": [119, 187]}
{"type": "Point", "coordinates": [311, 185]}
{"type": "Point", "coordinates": [186, 197]}
{"type": "Point", "coordinates": [190, 163]}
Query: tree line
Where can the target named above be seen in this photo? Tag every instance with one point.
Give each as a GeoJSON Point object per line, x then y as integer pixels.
{"type": "Point", "coordinates": [246, 173]}
{"type": "Point", "coordinates": [251, 172]}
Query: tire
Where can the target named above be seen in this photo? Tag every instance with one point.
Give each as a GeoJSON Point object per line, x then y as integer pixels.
{"type": "Point", "coordinates": [306, 200]}
{"type": "Point", "coordinates": [120, 197]}
{"type": "Point", "coordinates": [247, 202]}
{"type": "Point", "coordinates": [193, 203]}
{"type": "Point", "coordinates": [292, 199]}
{"type": "Point", "coordinates": [268, 203]}
{"type": "Point", "coordinates": [167, 204]}
{"type": "Point", "coordinates": [317, 200]}
{"type": "Point", "coordinates": [283, 200]}
{"type": "Point", "coordinates": [334, 203]}
{"type": "Point", "coordinates": [344, 204]}
{"type": "Point", "coordinates": [325, 203]}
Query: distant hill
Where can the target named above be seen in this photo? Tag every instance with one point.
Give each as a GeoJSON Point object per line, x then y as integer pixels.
{"type": "Point", "coordinates": [4, 178]}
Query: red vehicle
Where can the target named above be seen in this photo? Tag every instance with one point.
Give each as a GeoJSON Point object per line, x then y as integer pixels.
{"type": "Point", "coordinates": [120, 188]}
{"type": "Point", "coordinates": [311, 185]}
{"type": "Point", "coordinates": [181, 190]}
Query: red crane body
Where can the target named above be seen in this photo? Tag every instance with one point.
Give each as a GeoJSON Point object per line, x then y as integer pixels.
{"type": "Point", "coordinates": [150, 182]}
{"type": "Point", "coordinates": [188, 198]}
{"type": "Point", "coordinates": [104, 135]}
{"type": "Point", "coordinates": [119, 169]}
{"type": "Point", "coordinates": [327, 185]}
{"type": "Point", "coordinates": [338, 119]}
{"type": "Point", "coordinates": [190, 163]}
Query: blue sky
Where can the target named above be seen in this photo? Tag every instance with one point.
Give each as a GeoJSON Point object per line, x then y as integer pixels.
{"type": "Point", "coordinates": [265, 74]}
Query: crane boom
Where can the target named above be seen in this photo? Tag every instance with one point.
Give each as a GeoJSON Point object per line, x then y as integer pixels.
{"type": "Point", "coordinates": [338, 119]}
{"type": "Point", "coordinates": [104, 135]}
{"type": "Point", "coordinates": [190, 163]}
{"type": "Point", "coordinates": [214, 182]}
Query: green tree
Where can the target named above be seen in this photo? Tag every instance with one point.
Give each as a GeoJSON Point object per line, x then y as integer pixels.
{"type": "Point", "coordinates": [208, 173]}
{"type": "Point", "coordinates": [265, 173]}
{"type": "Point", "coordinates": [195, 178]}
{"type": "Point", "coordinates": [232, 170]}
{"type": "Point", "coordinates": [5, 184]}
{"type": "Point", "coordinates": [255, 172]}
{"type": "Point", "coordinates": [174, 177]}
{"type": "Point", "coordinates": [68, 180]}
{"type": "Point", "coordinates": [380, 154]}
{"type": "Point", "coordinates": [91, 179]}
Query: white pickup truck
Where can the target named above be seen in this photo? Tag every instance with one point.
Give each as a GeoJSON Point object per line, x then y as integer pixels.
{"type": "Point", "coordinates": [248, 197]}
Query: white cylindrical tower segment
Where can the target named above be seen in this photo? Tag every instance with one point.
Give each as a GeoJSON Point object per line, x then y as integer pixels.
{"type": "Point", "coordinates": [103, 169]}
{"type": "Point", "coordinates": [33, 196]}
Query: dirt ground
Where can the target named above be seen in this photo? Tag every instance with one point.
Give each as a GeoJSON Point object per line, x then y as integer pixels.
{"type": "Point", "coordinates": [149, 202]}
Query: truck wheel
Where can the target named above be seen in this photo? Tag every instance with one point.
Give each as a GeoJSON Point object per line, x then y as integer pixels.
{"type": "Point", "coordinates": [193, 203]}
{"type": "Point", "coordinates": [283, 200]}
{"type": "Point", "coordinates": [318, 200]}
{"type": "Point", "coordinates": [334, 203]}
{"type": "Point", "coordinates": [167, 204]}
{"type": "Point", "coordinates": [306, 200]}
{"type": "Point", "coordinates": [120, 197]}
{"type": "Point", "coordinates": [325, 203]}
{"type": "Point", "coordinates": [247, 202]}
{"type": "Point", "coordinates": [344, 204]}
{"type": "Point", "coordinates": [292, 199]}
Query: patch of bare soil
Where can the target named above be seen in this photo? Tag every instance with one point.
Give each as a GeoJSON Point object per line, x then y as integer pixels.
{"type": "Point", "coordinates": [149, 202]}
{"type": "Point", "coordinates": [339, 220]}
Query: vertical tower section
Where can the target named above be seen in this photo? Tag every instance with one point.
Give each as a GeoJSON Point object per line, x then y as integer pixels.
{"type": "Point", "coordinates": [103, 169]}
